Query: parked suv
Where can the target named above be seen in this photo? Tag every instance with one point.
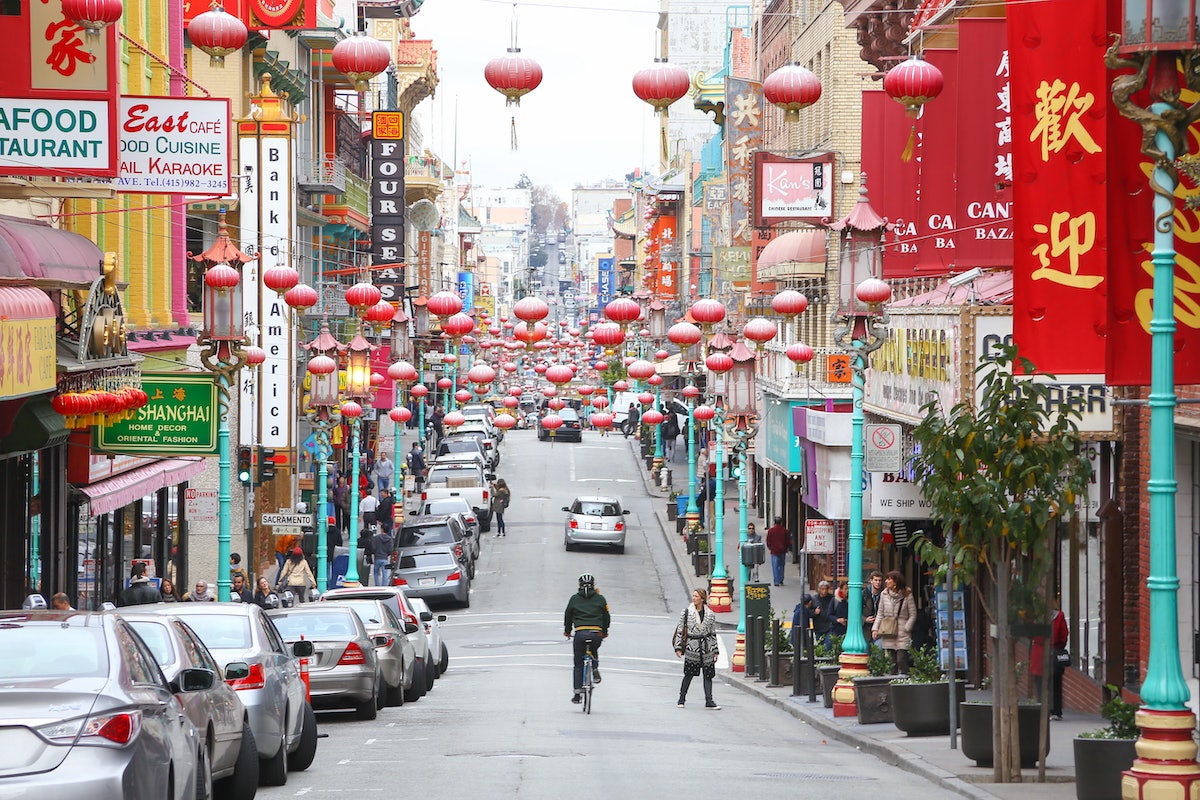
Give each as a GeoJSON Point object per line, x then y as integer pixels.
{"type": "Point", "coordinates": [416, 533]}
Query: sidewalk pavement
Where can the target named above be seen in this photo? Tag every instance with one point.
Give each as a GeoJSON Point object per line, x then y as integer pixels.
{"type": "Point", "coordinates": [928, 756]}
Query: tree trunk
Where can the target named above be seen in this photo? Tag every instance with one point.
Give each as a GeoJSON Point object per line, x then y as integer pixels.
{"type": "Point", "coordinates": [1006, 764]}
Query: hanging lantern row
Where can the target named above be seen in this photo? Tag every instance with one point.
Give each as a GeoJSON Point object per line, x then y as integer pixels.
{"type": "Point", "coordinates": [98, 406]}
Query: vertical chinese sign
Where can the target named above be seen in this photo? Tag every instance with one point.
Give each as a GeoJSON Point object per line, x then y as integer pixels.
{"type": "Point", "coordinates": [387, 202]}
{"type": "Point", "coordinates": [984, 153]}
{"type": "Point", "coordinates": [939, 141]}
{"type": "Point", "coordinates": [1059, 91]}
{"type": "Point", "coordinates": [662, 249]}
{"type": "Point", "coordinates": [743, 137]}
{"type": "Point", "coordinates": [58, 95]}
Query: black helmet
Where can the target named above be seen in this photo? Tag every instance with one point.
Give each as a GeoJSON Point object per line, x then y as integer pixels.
{"type": "Point", "coordinates": [586, 581]}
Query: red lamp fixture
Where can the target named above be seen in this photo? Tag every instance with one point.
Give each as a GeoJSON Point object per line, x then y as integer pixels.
{"type": "Point", "coordinates": [280, 278]}
{"type": "Point", "coordinates": [661, 85]}
{"type": "Point", "coordinates": [92, 15]}
{"type": "Point", "coordinates": [360, 58]}
{"type": "Point", "coordinates": [792, 88]}
{"type": "Point", "coordinates": [362, 296]}
{"type": "Point", "coordinates": [301, 297]}
{"type": "Point", "coordinates": [221, 277]}
{"type": "Point", "coordinates": [444, 304]}
{"type": "Point", "coordinates": [217, 33]}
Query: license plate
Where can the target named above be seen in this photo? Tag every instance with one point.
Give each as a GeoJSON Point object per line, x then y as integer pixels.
{"type": "Point", "coordinates": [594, 526]}
{"type": "Point", "coordinates": [426, 582]}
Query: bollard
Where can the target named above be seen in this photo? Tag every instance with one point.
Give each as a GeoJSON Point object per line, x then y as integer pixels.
{"type": "Point", "coordinates": [760, 624]}
{"type": "Point", "coordinates": [751, 661]}
{"type": "Point", "coordinates": [774, 676]}
{"type": "Point", "coordinates": [814, 676]}
{"type": "Point", "coordinates": [796, 662]}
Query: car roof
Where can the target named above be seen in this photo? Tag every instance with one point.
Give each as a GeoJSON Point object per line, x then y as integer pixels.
{"type": "Point", "coordinates": [425, 520]}
{"type": "Point", "coordinates": [82, 619]}
{"type": "Point", "coordinates": [455, 465]}
{"type": "Point", "coordinates": [214, 609]}
{"type": "Point", "coordinates": [596, 498]}
{"type": "Point", "coordinates": [564, 412]}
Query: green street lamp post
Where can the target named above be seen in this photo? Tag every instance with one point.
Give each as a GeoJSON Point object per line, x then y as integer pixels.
{"type": "Point", "coordinates": [358, 389]}
{"type": "Point", "coordinates": [861, 329]}
{"type": "Point", "coordinates": [323, 414]}
{"type": "Point", "coordinates": [1156, 40]}
{"type": "Point", "coordinates": [686, 337]}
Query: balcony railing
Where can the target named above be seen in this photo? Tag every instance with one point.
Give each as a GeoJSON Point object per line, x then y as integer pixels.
{"type": "Point", "coordinates": [357, 195]}
{"type": "Point", "coordinates": [325, 175]}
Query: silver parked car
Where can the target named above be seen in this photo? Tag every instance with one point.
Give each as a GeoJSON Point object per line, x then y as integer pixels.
{"type": "Point", "coordinates": [432, 623]}
{"type": "Point", "coordinates": [217, 712]}
{"type": "Point", "coordinates": [595, 520]}
{"type": "Point", "coordinates": [452, 505]}
{"type": "Point", "coordinates": [433, 573]}
{"type": "Point", "coordinates": [237, 634]}
{"type": "Point", "coordinates": [397, 658]}
{"type": "Point", "coordinates": [345, 667]}
{"type": "Point", "coordinates": [86, 712]}
{"type": "Point", "coordinates": [401, 604]}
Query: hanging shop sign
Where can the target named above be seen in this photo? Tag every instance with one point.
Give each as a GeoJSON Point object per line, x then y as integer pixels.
{"type": "Point", "coordinates": [387, 198]}
{"type": "Point", "coordinates": [921, 359]}
{"type": "Point", "coordinates": [180, 419]}
{"type": "Point", "coordinates": [174, 146]}
{"type": "Point", "coordinates": [799, 189]}
{"type": "Point", "coordinates": [604, 280]}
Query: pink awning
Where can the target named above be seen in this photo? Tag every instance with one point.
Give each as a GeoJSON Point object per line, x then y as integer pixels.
{"type": "Point", "coordinates": [796, 250]}
{"type": "Point", "coordinates": [123, 489]}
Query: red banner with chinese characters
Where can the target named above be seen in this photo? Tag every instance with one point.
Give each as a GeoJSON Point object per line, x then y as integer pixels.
{"type": "Point", "coordinates": [664, 247]}
{"type": "Point", "coordinates": [1059, 96]}
{"type": "Point", "coordinates": [938, 142]}
{"type": "Point", "coordinates": [1131, 240]}
{"type": "Point", "coordinates": [984, 148]}
{"type": "Point", "coordinates": [891, 183]}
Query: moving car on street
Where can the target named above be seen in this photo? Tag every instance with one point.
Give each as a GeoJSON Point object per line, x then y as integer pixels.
{"type": "Point", "coordinates": [595, 520]}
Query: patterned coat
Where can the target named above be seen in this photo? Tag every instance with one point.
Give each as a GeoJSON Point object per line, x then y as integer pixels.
{"type": "Point", "coordinates": [701, 647]}
{"type": "Point", "coordinates": [903, 606]}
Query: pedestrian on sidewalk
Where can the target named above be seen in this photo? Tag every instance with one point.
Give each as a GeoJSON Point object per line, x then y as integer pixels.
{"type": "Point", "coordinates": [818, 612]}
{"type": "Point", "coordinates": [695, 642]}
{"type": "Point", "coordinates": [500, 499]}
{"type": "Point", "coordinates": [381, 553]}
{"type": "Point", "coordinates": [384, 469]}
{"type": "Point", "coordinates": [779, 542]}
{"type": "Point", "coordinates": [894, 621]}
{"type": "Point", "coordinates": [341, 501]}
{"type": "Point", "coordinates": [670, 431]}
{"type": "Point", "coordinates": [870, 603]}
{"type": "Point", "coordinates": [1060, 634]}
{"type": "Point", "coordinates": [752, 537]}
{"type": "Point", "coordinates": [369, 508]}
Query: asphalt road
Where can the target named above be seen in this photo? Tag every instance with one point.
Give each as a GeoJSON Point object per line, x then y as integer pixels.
{"type": "Point", "coordinates": [499, 723]}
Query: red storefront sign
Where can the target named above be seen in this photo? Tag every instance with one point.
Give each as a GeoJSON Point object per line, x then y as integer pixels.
{"type": "Point", "coordinates": [938, 145]}
{"type": "Point", "coordinates": [891, 183]}
{"type": "Point", "coordinates": [664, 250]}
{"type": "Point", "coordinates": [1059, 96]}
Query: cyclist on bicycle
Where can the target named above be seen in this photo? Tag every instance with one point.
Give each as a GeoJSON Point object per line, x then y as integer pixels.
{"type": "Point", "coordinates": [587, 614]}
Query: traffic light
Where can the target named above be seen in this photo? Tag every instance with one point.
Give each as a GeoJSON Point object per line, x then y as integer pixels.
{"type": "Point", "coordinates": [266, 465]}
{"type": "Point", "coordinates": [244, 465]}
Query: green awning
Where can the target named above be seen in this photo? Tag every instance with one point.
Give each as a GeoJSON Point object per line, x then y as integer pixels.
{"type": "Point", "coordinates": [37, 426]}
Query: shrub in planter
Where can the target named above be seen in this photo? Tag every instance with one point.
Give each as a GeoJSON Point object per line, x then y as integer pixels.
{"type": "Point", "coordinates": [976, 721]}
{"type": "Point", "coordinates": [1102, 755]}
{"type": "Point", "coordinates": [921, 700]}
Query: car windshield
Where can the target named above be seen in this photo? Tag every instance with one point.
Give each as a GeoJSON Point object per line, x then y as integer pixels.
{"type": "Point", "coordinates": [157, 638]}
{"type": "Point", "coordinates": [221, 631]}
{"type": "Point", "coordinates": [429, 560]}
{"type": "Point", "coordinates": [594, 508]}
{"type": "Point", "coordinates": [459, 446]}
{"type": "Point", "coordinates": [367, 610]}
{"type": "Point", "coordinates": [315, 626]}
{"type": "Point", "coordinates": [44, 651]}
{"type": "Point", "coordinates": [425, 534]}
{"type": "Point", "coordinates": [450, 505]}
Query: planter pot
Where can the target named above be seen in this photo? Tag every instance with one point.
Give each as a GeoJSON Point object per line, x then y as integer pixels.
{"type": "Point", "coordinates": [976, 721]}
{"type": "Point", "coordinates": [873, 697]}
{"type": "Point", "coordinates": [1098, 767]}
{"type": "Point", "coordinates": [672, 511]}
{"type": "Point", "coordinates": [923, 709]}
{"type": "Point", "coordinates": [829, 679]}
{"type": "Point", "coordinates": [785, 668]}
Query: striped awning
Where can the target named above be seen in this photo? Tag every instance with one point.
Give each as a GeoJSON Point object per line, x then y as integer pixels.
{"type": "Point", "coordinates": [121, 490]}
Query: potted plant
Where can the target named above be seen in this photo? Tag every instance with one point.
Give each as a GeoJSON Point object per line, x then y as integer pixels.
{"type": "Point", "coordinates": [975, 718]}
{"type": "Point", "coordinates": [1102, 755]}
{"type": "Point", "coordinates": [873, 695]}
{"type": "Point", "coordinates": [672, 506]}
{"type": "Point", "coordinates": [921, 699]}
{"type": "Point", "coordinates": [827, 656]}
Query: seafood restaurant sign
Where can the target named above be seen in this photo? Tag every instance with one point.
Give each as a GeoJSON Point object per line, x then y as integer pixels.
{"type": "Point", "coordinates": [174, 146]}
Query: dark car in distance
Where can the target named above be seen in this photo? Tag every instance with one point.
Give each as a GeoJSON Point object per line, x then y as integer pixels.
{"type": "Point", "coordinates": [571, 429]}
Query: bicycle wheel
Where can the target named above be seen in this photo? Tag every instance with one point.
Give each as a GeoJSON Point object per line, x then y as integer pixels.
{"type": "Point", "coordinates": [587, 700]}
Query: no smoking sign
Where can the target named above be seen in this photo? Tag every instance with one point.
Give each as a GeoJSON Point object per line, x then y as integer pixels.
{"type": "Point", "coordinates": [882, 451]}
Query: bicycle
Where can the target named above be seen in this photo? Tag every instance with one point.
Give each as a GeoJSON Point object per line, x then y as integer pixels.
{"type": "Point", "coordinates": [588, 681]}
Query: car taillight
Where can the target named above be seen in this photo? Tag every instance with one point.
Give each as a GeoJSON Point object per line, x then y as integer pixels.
{"type": "Point", "coordinates": [410, 617]}
{"type": "Point", "coordinates": [485, 495]}
{"type": "Point", "coordinates": [353, 655]}
{"type": "Point", "coordinates": [574, 524]}
{"type": "Point", "coordinates": [620, 526]}
{"type": "Point", "coordinates": [424, 495]}
{"type": "Point", "coordinates": [390, 641]}
{"type": "Point", "coordinates": [257, 679]}
{"type": "Point", "coordinates": [105, 729]}
{"type": "Point", "coordinates": [471, 520]}
{"type": "Point", "coordinates": [454, 576]}
{"type": "Point", "coordinates": [396, 581]}
{"type": "Point", "coordinates": [458, 551]}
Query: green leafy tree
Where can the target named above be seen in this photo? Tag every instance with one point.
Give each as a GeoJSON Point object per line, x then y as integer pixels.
{"type": "Point", "coordinates": [1000, 477]}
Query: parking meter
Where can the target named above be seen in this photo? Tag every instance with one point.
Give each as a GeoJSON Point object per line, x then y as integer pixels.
{"type": "Point", "coordinates": [753, 553]}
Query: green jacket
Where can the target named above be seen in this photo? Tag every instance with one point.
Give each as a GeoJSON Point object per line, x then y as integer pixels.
{"type": "Point", "coordinates": [586, 612]}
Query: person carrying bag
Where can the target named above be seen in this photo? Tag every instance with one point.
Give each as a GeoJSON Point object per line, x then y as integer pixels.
{"type": "Point", "coordinates": [894, 621]}
{"type": "Point", "coordinates": [297, 576]}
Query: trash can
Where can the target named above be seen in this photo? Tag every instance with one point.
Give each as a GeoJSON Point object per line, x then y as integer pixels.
{"type": "Point", "coordinates": [681, 503]}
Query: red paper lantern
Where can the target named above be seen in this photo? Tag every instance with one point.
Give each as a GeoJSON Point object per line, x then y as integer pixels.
{"type": "Point", "coordinates": [530, 309]}
{"type": "Point", "coordinates": [690, 392]}
{"type": "Point", "coordinates": [217, 33]}
{"type": "Point", "coordinates": [621, 386]}
{"type": "Point", "coordinates": [444, 383]}
{"type": "Point", "coordinates": [608, 334]}
{"type": "Point", "coordinates": [381, 313]}
{"type": "Point", "coordinates": [453, 419]}
{"type": "Point", "coordinates": [551, 422]}
{"type": "Point", "coordinates": [873, 292]}
{"type": "Point", "coordinates": [585, 390]}
{"type": "Point", "coordinates": [655, 380]}
{"type": "Point", "coordinates": [462, 396]}
{"type": "Point", "coordinates": [793, 89]}
{"type": "Point", "coordinates": [400, 415]}
{"type": "Point", "coordinates": [321, 365]}
{"type": "Point", "coordinates": [221, 277]}
{"type": "Point", "coordinates": [560, 374]}
{"type": "Point", "coordinates": [640, 369]}
{"type": "Point", "coordinates": [419, 390]}
{"type": "Point", "coordinates": [362, 296]}
{"type": "Point", "coordinates": [280, 278]}
{"type": "Point", "coordinates": [255, 355]}
{"type": "Point", "coordinates": [622, 310]}
{"type": "Point", "coordinates": [481, 373]}
{"type": "Point", "coordinates": [92, 15]}
{"type": "Point", "coordinates": [351, 409]}
{"type": "Point", "coordinates": [401, 371]}
{"type": "Point", "coordinates": [800, 353]}
{"type": "Point", "coordinates": [458, 325]}
{"type": "Point", "coordinates": [511, 402]}
{"type": "Point", "coordinates": [704, 413]}
{"type": "Point", "coordinates": [600, 401]}
{"type": "Point", "coordinates": [504, 421]}
{"type": "Point", "coordinates": [301, 297]}
{"type": "Point", "coordinates": [759, 330]}
{"type": "Point", "coordinates": [719, 363]}
{"type": "Point", "coordinates": [513, 76]}
{"type": "Point", "coordinates": [684, 334]}
{"type": "Point", "coordinates": [652, 417]}
{"type": "Point", "coordinates": [645, 398]}
{"type": "Point", "coordinates": [789, 303]}
{"type": "Point", "coordinates": [708, 312]}
{"type": "Point", "coordinates": [444, 304]}
{"type": "Point", "coordinates": [913, 83]}
{"type": "Point", "coordinates": [557, 403]}
{"type": "Point", "coordinates": [361, 58]}
{"type": "Point", "coordinates": [661, 85]}
{"type": "Point", "coordinates": [601, 419]}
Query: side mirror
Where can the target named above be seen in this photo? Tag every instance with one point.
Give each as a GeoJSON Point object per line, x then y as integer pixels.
{"type": "Point", "coordinates": [626, 511]}
{"type": "Point", "coordinates": [381, 640]}
{"type": "Point", "coordinates": [426, 616]}
{"type": "Point", "coordinates": [194, 679]}
{"type": "Point", "coordinates": [410, 626]}
{"type": "Point", "coordinates": [236, 670]}
{"type": "Point", "coordinates": [441, 617]}
{"type": "Point", "coordinates": [302, 648]}
{"type": "Point", "coordinates": [567, 509]}
{"type": "Point", "coordinates": [491, 476]}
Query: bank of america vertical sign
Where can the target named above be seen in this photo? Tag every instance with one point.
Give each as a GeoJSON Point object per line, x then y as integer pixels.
{"type": "Point", "coordinates": [387, 200]}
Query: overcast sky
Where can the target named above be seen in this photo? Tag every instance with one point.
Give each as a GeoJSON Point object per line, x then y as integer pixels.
{"type": "Point", "coordinates": [581, 125]}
